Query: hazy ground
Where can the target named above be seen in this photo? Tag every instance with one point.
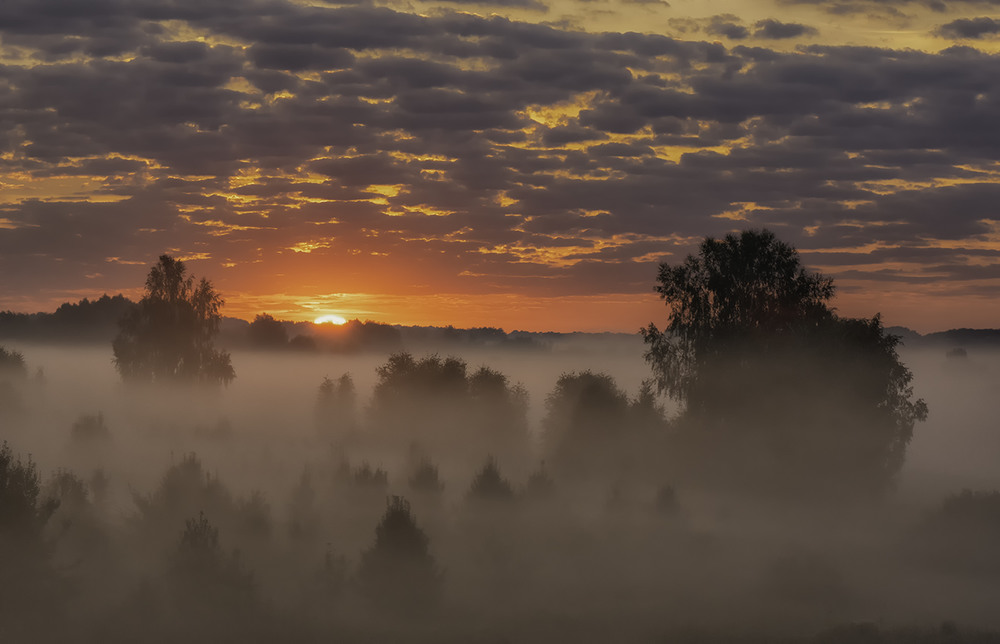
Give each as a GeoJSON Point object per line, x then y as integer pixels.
{"type": "Point", "coordinates": [275, 392]}
{"type": "Point", "coordinates": [591, 564]}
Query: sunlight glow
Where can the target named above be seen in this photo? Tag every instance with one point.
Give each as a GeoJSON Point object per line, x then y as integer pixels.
{"type": "Point", "coordinates": [330, 319]}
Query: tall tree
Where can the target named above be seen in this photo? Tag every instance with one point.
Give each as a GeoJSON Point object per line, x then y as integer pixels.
{"type": "Point", "coordinates": [755, 352]}
{"type": "Point", "coordinates": [169, 335]}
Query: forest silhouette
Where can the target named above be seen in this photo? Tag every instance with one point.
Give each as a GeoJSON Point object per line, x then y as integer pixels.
{"type": "Point", "coordinates": [744, 492]}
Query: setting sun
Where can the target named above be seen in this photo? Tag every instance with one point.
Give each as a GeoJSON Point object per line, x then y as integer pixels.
{"type": "Point", "coordinates": [329, 319]}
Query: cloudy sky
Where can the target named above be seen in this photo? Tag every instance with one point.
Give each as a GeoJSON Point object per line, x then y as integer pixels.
{"type": "Point", "coordinates": [523, 164]}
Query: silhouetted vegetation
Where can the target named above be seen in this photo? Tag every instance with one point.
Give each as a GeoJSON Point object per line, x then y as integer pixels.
{"type": "Point", "coordinates": [591, 425]}
{"type": "Point", "coordinates": [168, 336]}
{"type": "Point", "coordinates": [425, 478]}
{"type": "Point", "coordinates": [28, 581]}
{"type": "Point", "coordinates": [398, 574]}
{"type": "Point", "coordinates": [336, 404]}
{"type": "Point", "coordinates": [267, 333]}
{"type": "Point", "coordinates": [83, 321]}
{"type": "Point", "coordinates": [435, 400]}
{"type": "Point", "coordinates": [775, 385]}
{"type": "Point", "coordinates": [12, 364]}
{"type": "Point", "coordinates": [489, 485]}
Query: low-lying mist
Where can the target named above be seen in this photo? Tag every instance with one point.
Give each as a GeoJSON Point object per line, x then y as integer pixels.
{"type": "Point", "coordinates": [469, 496]}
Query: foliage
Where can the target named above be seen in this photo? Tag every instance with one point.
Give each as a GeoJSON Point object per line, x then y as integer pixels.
{"type": "Point", "coordinates": [426, 478]}
{"type": "Point", "coordinates": [747, 289]}
{"type": "Point", "coordinates": [398, 573]}
{"type": "Point", "coordinates": [184, 488]}
{"type": "Point", "coordinates": [68, 489]}
{"type": "Point", "coordinates": [23, 513]}
{"type": "Point", "coordinates": [756, 354]}
{"type": "Point", "coordinates": [86, 320]}
{"type": "Point", "coordinates": [590, 424]}
{"type": "Point", "coordinates": [404, 376]}
{"type": "Point", "coordinates": [267, 333]}
{"type": "Point", "coordinates": [204, 578]}
{"type": "Point", "coordinates": [12, 364]}
{"type": "Point", "coordinates": [29, 583]}
{"type": "Point", "coordinates": [436, 398]}
{"type": "Point", "coordinates": [367, 477]}
{"type": "Point", "coordinates": [489, 484]}
{"type": "Point", "coordinates": [584, 403]}
{"type": "Point", "coordinates": [168, 336]}
{"type": "Point", "coordinates": [12, 369]}
{"type": "Point", "coordinates": [253, 515]}
{"type": "Point", "coordinates": [336, 404]}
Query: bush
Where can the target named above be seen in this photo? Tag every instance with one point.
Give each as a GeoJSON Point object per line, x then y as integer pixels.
{"type": "Point", "coordinates": [425, 478]}
{"type": "Point", "coordinates": [12, 364]}
{"type": "Point", "coordinates": [398, 574]}
{"type": "Point", "coordinates": [490, 485]}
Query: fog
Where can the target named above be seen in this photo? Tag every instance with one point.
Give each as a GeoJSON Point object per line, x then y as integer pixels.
{"type": "Point", "coordinates": [258, 511]}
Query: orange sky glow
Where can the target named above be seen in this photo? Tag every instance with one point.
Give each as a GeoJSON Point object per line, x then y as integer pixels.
{"type": "Point", "coordinates": [524, 165]}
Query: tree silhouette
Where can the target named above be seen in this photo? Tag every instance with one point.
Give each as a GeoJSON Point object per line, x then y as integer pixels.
{"type": "Point", "coordinates": [23, 513]}
{"type": "Point", "coordinates": [30, 586]}
{"type": "Point", "coordinates": [436, 401]}
{"type": "Point", "coordinates": [587, 423]}
{"type": "Point", "coordinates": [168, 336]}
{"type": "Point", "coordinates": [207, 583]}
{"type": "Point", "coordinates": [770, 374]}
{"type": "Point", "coordinates": [398, 573]}
{"type": "Point", "coordinates": [336, 404]}
{"type": "Point", "coordinates": [748, 289]}
{"type": "Point", "coordinates": [267, 333]}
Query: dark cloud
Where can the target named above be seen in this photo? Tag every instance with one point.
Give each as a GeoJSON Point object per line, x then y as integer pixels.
{"type": "Point", "coordinates": [475, 144]}
{"type": "Point", "coordinates": [771, 29]}
{"type": "Point", "coordinates": [525, 4]}
{"type": "Point", "coordinates": [727, 29]}
{"type": "Point", "coordinates": [869, 6]}
{"type": "Point", "coordinates": [971, 28]}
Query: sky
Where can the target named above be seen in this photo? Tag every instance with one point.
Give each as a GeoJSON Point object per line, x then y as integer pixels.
{"type": "Point", "coordinates": [523, 164]}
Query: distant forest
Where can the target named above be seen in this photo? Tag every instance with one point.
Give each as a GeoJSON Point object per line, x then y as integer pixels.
{"type": "Point", "coordinates": [96, 321]}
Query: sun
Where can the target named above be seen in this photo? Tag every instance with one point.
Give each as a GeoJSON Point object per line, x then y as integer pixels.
{"type": "Point", "coordinates": [330, 319]}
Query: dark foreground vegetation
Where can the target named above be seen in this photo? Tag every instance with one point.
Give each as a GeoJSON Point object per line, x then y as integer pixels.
{"type": "Point", "coordinates": [430, 508]}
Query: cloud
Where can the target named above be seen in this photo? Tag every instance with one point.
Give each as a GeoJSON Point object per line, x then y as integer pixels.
{"type": "Point", "coordinates": [972, 28]}
{"type": "Point", "coordinates": [728, 26]}
{"type": "Point", "coordinates": [458, 151]}
{"type": "Point", "coordinates": [771, 29]}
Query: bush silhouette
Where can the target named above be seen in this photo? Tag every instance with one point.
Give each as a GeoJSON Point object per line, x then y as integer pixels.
{"type": "Point", "coordinates": [397, 573]}
{"type": "Point", "coordinates": [12, 364]}
{"type": "Point", "coordinates": [489, 484]}
{"type": "Point", "coordinates": [425, 478]}
{"type": "Point", "coordinates": [207, 583]}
